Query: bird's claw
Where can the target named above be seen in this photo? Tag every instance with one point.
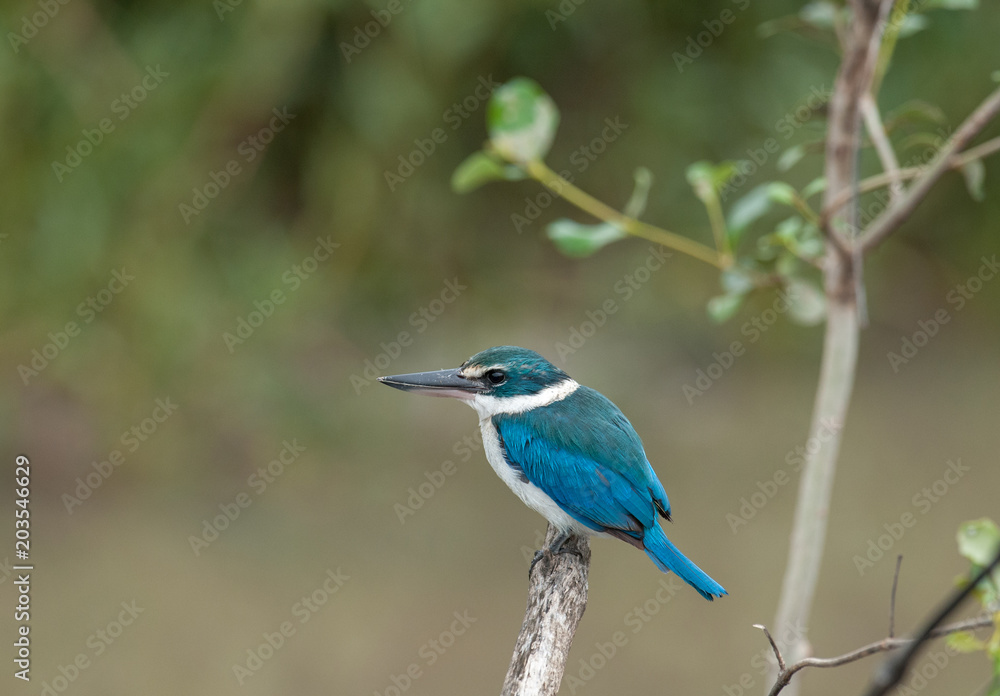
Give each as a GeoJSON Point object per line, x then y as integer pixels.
{"type": "Point", "coordinates": [557, 547]}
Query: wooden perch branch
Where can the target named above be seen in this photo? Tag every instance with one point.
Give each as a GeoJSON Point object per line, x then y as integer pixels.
{"type": "Point", "coordinates": [557, 598]}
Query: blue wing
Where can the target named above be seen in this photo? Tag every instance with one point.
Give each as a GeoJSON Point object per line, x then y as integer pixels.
{"type": "Point", "coordinates": [593, 468]}
{"type": "Point", "coordinates": [585, 455]}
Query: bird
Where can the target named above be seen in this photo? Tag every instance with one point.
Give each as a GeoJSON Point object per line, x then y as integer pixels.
{"type": "Point", "coordinates": [565, 450]}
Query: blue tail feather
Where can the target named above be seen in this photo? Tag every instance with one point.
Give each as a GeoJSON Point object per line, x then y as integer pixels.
{"type": "Point", "coordinates": [668, 558]}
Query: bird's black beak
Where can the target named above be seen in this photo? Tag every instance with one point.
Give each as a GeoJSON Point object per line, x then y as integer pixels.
{"type": "Point", "coordinates": [437, 383]}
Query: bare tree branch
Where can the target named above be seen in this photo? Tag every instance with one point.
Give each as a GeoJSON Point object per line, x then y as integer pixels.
{"type": "Point", "coordinates": [557, 598]}
{"type": "Point", "coordinates": [892, 597]}
{"type": "Point", "coordinates": [841, 267]}
{"type": "Point", "coordinates": [892, 670]}
{"type": "Point", "coordinates": [887, 223]}
{"type": "Point", "coordinates": [958, 161]}
{"type": "Point", "coordinates": [875, 128]}
{"type": "Point", "coordinates": [884, 645]}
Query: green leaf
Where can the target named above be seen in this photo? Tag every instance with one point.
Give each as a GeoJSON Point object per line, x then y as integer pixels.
{"type": "Point", "coordinates": [914, 111]}
{"type": "Point", "coordinates": [736, 281]}
{"type": "Point", "coordinates": [787, 264]}
{"type": "Point", "coordinates": [574, 239]}
{"type": "Point", "coordinates": [780, 192]}
{"type": "Point", "coordinates": [707, 178]}
{"type": "Point", "coordinates": [806, 304]}
{"type": "Point", "coordinates": [722, 307]}
{"type": "Point", "coordinates": [787, 231]}
{"type": "Point", "coordinates": [975, 173]}
{"type": "Point", "coordinates": [746, 211]}
{"type": "Point", "coordinates": [477, 169]}
{"type": "Point", "coordinates": [965, 642]}
{"type": "Point", "coordinates": [522, 120]}
{"type": "Point", "coordinates": [811, 247]}
{"type": "Point", "coordinates": [979, 540]}
{"type": "Point", "coordinates": [790, 157]}
{"type": "Point", "coordinates": [911, 24]}
{"type": "Point", "coordinates": [822, 15]}
{"type": "Point", "coordinates": [815, 186]}
{"type": "Point", "coordinates": [925, 139]}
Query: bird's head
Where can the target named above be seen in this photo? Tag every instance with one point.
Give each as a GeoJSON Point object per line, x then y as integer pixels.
{"type": "Point", "coordinates": [498, 373]}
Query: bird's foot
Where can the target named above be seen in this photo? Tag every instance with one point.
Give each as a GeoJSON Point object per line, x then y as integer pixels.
{"type": "Point", "coordinates": [558, 546]}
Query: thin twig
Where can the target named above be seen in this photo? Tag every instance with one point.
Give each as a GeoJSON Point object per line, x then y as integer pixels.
{"type": "Point", "coordinates": [887, 223]}
{"type": "Point", "coordinates": [873, 123]}
{"type": "Point", "coordinates": [774, 646]}
{"type": "Point", "coordinates": [539, 171]}
{"type": "Point", "coordinates": [873, 183]}
{"type": "Point", "coordinates": [884, 645]}
{"type": "Point", "coordinates": [892, 670]}
{"type": "Point", "coordinates": [892, 598]}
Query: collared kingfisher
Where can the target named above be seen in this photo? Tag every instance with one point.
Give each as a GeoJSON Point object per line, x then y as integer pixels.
{"type": "Point", "coordinates": [565, 450]}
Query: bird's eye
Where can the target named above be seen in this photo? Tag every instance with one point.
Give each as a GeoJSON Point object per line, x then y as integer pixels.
{"type": "Point", "coordinates": [496, 376]}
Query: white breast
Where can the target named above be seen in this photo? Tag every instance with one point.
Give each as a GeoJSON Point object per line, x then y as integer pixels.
{"type": "Point", "coordinates": [533, 496]}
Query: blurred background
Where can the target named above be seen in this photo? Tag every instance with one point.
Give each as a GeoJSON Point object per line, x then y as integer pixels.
{"type": "Point", "coordinates": [214, 233]}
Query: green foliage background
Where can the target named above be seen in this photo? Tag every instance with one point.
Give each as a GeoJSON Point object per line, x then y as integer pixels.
{"type": "Point", "coordinates": [324, 176]}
